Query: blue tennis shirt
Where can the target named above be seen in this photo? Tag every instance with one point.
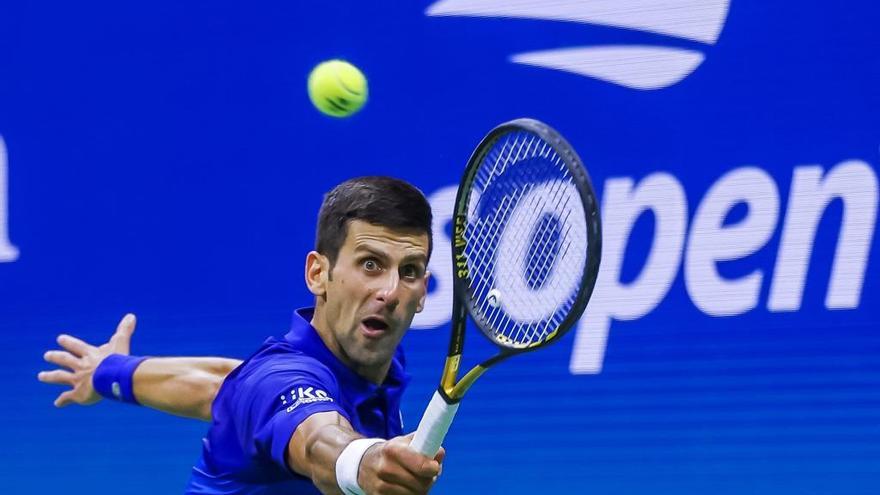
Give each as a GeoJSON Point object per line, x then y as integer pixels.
{"type": "Point", "coordinates": [261, 403]}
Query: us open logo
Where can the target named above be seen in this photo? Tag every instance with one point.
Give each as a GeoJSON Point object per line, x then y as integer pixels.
{"type": "Point", "coordinates": [688, 246]}
{"type": "Point", "coordinates": [641, 67]}
{"type": "Point", "coordinates": [304, 395]}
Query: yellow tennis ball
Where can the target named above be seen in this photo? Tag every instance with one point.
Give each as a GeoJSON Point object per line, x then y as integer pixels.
{"type": "Point", "coordinates": [337, 88]}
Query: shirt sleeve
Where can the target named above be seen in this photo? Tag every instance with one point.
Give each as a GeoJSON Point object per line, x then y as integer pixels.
{"type": "Point", "coordinates": [276, 398]}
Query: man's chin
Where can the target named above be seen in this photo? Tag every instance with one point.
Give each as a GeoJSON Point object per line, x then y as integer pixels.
{"type": "Point", "coordinates": [368, 356]}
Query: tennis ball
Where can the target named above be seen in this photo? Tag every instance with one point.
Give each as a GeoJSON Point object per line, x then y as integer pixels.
{"type": "Point", "coordinates": [337, 88]}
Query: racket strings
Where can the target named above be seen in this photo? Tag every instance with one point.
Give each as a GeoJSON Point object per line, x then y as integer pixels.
{"type": "Point", "coordinates": [534, 332]}
{"type": "Point", "coordinates": [519, 231]}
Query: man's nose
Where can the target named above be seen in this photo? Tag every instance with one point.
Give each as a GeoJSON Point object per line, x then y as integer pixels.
{"type": "Point", "coordinates": [389, 291]}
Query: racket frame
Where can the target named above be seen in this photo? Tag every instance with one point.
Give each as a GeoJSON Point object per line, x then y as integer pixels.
{"type": "Point", "coordinates": [451, 390]}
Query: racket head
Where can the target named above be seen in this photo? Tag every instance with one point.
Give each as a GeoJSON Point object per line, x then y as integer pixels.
{"type": "Point", "coordinates": [527, 236]}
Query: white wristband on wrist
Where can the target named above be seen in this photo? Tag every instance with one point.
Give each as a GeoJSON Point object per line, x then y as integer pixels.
{"type": "Point", "coordinates": [349, 462]}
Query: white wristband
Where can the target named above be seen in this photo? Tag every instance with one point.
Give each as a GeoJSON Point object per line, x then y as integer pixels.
{"type": "Point", "coordinates": [349, 462]}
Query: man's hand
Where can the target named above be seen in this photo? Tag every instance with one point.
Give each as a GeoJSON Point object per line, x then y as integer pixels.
{"type": "Point", "coordinates": [387, 468]}
{"type": "Point", "coordinates": [81, 359]}
{"type": "Point", "coordinates": [393, 468]}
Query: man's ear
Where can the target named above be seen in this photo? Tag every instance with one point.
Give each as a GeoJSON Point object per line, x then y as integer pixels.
{"type": "Point", "coordinates": [421, 305]}
{"type": "Point", "coordinates": [317, 273]}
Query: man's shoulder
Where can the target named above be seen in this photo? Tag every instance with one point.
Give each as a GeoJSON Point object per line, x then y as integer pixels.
{"type": "Point", "coordinates": [278, 377]}
{"type": "Point", "coordinates": [277, 356]}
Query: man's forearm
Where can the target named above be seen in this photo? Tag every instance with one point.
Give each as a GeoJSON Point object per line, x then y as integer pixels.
{"type": "Point", "coordinates": [324, 440]}
{"type": "Point", "coordinates": [184, 386]}
{"type": "Point", "coordinates": [316, 444]}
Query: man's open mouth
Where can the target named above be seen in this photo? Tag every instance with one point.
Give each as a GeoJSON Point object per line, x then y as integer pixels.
{"type": "Point", "coordinates": [374, 327]}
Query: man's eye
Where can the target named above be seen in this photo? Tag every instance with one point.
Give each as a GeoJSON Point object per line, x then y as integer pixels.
{"type": "Point", "coordinates": [371, 265]}
{"type": "Point", "coordinates": [410, 271]}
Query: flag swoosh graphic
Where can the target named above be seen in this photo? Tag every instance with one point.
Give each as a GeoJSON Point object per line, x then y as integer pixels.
{"type": "Point", "coordinates": [633, 66]}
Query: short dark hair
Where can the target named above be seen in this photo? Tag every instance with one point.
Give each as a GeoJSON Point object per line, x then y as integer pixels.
{"type": "Point", "coordinates": [378, 200]}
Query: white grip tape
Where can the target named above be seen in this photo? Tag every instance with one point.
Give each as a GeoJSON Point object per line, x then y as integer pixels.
{"type": "Point", "coordinates": [433, 426]}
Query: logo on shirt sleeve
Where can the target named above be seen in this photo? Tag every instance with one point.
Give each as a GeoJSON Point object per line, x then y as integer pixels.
{"type": "Point", "coordinates": [303, 395]}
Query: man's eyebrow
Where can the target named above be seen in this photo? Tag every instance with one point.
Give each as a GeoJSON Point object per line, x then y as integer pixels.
{"type": "Point", "coordinates": [416, 257]}
{"type": "Point", "coordinates": [364, 248]}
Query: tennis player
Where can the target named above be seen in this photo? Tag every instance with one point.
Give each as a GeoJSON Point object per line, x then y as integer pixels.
{"type": "Point", "coordinates": [319, 409]}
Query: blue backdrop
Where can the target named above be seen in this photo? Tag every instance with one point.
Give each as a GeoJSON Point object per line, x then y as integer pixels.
{"type": "Point", "coordinates": [163, 158]}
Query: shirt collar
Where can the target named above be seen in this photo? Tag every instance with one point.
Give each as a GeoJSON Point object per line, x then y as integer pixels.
{"type": "Point", "coordinates": [305, 337]}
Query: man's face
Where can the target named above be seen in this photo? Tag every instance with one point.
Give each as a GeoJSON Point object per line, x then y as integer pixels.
{"type": "Point", "coordinates": [374, 290]}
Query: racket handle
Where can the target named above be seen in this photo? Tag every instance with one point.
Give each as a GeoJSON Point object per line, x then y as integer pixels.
{"type": "Point", "coordinates": [433, 426]}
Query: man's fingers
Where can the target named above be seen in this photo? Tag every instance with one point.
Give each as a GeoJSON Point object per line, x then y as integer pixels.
{"type": "Point", "coordinates": [74, 345]}
{"type": "Point", "coordinates": [62, 358]}
{"type": "Point", "coordinates": [441, 454]}
{"type": "Point", "coordinates": [398, 478]}
{"type": "Point", "coordinates": [401, 481]}
{"type": "Point", "coordinates": [121, 340]}
{"type": "Point", "coordinates": [417, 464]}
{"type": "Point", "coordinates": [65, 399]}
{"type": "Point", "coordinates": [58, 377]}
{"type": "Point", "coordinates": [386, 488]}
{"type": "Point", "coordinates": [399, 469]}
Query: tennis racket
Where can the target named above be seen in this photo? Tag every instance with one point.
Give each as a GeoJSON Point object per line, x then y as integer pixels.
{"type": "Point", "coordinates": [526, 248]}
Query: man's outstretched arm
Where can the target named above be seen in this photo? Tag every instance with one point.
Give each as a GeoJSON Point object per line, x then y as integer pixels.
{"type": "Point", "coordinates": [317, 450]}
{"type": "Point", "coordinates": [184, 386]}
